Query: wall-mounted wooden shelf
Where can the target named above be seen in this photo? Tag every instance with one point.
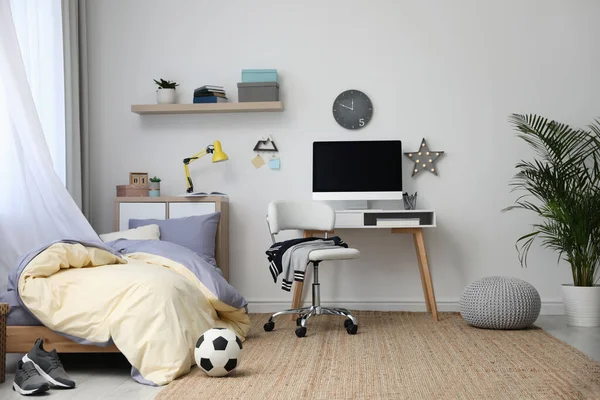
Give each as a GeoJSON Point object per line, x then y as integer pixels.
{"type": "Point", "coordinates": [263, 106]}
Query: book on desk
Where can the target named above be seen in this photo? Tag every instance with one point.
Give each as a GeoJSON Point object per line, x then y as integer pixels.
{"type": "Point", "coordinates": [398, 222]}
{"type": "Point", "coordinates": [203, 194]}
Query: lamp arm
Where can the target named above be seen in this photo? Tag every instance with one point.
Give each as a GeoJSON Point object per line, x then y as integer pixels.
{"type": "Point", "coordinates": [195, 156]}
{"type": "Point", "coordinates": [186, 163]}
{"type": "Point", "coordinates": [190, 184]}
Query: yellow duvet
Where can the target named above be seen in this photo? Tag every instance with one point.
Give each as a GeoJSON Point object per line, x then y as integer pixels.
{"type": "Point", "coordinates": [154, 309]}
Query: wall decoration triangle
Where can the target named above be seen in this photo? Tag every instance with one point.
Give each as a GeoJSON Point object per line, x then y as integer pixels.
{"type": "Point", "coordinates": [265, 145]}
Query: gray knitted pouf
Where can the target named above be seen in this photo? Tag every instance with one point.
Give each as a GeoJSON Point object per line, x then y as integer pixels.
{"type": "Point", "coordinates": [500, 302]}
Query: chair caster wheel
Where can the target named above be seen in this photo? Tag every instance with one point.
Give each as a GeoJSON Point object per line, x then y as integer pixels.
{"type": "Point", "coordinates": [269, 326]}
{"type": "Point", "coordinates": [352, 329]}
{"type": "Point", "coordinates": [301, 332]}
{"type": "Point", "coordinates": [298, 321]}
{"type": "Point", "coordinates": [347, 323]}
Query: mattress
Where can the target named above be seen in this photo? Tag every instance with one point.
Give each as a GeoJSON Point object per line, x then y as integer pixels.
{"type": "Point", "coordinates": [18, 315]}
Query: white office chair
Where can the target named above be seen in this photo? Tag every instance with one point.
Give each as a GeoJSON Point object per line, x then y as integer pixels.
{"type": "Point", "coordinates": [310, 216]}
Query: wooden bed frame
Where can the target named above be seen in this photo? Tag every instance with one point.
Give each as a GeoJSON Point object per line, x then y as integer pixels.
{"type": "Point", "coordinates": [19, 339]}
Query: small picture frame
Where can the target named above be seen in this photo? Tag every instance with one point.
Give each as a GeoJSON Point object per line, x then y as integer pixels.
{"type": "Point", "coordinates": [138, 178]}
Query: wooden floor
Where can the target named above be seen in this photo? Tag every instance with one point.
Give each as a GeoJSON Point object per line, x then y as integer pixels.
{"type": "Point", "coordinates": [106, 376]}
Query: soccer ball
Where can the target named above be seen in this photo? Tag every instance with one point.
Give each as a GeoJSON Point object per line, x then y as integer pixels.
{"type": "Point", "coordinates": [218, 351]}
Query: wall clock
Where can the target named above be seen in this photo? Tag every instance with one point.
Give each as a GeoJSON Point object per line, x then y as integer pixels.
{"type": "Point", "coordinates": [352, 109]}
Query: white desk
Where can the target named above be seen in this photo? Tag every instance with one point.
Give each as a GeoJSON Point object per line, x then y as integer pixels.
{"type": "Point", "coordinates": [399, 221]}
{"type": "Point", "coordinates": [395, 218]}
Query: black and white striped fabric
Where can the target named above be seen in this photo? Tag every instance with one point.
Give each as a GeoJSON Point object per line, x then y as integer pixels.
{"type": "Point", "coordinates": [291, 257]}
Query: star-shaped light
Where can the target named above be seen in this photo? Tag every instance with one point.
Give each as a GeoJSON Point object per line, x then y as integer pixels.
{"type": "Point", "coordinates": [424, 159]}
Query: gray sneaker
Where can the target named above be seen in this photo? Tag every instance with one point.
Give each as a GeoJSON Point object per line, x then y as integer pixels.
{"type": "Point", "coordinates": [28, 380]}
{"type": "Point", "coordinates": [48, 365]}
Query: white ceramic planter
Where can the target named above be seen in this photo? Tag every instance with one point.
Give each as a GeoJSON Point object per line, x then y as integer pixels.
{"type": "Point", "coordinates": [582, 305]}
{"type": "Point", "coordinates": [166, 96]}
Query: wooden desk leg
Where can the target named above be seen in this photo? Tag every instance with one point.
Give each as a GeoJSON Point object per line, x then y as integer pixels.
{"type": "Point", "coordinates": [297, 299]}
{"type": "Point", "coordinates": [424, 264]}
{"type": "Point", "coordinates": [299, 286]}
{"type": "Point", "coordinates": [425, 291]}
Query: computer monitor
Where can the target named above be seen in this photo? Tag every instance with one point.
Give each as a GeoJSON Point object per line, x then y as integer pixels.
{"type": "Point", "coordinates": [357, 170]}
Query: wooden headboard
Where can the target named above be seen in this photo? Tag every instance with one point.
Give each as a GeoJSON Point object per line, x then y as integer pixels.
{"type": "Point", "coordinates": [176, 207]}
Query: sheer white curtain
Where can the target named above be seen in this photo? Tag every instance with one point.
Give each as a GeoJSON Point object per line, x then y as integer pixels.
{"type": "Point", "coordinates": [39, 29]}
{"type": "Point", "coordinates": [35, 207]}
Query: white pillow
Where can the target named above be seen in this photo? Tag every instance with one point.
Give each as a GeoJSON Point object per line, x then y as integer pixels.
{"type": "Point", "coordinates": [147, 232]}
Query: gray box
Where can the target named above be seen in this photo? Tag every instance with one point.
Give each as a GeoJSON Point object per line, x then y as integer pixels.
{"type": "Point", "coordinates": [258, 91]}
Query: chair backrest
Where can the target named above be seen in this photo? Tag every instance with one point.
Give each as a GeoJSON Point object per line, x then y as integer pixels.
{"type": "Point", "coordinates": [313, 216]}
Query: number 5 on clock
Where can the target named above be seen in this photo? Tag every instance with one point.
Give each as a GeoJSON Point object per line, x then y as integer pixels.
{"type": "Point", "coordinates": [361, 122]}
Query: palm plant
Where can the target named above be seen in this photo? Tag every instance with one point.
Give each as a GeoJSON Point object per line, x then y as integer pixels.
{"type": "Point", "coordinates": [563, 187]}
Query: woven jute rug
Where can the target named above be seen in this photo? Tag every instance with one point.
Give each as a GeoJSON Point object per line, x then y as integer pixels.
{"type": "Point", "coordinates": [397, 355]}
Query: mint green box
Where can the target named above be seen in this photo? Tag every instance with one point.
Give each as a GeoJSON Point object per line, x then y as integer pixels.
{"type": "Point", "coordinates": [259, 75]}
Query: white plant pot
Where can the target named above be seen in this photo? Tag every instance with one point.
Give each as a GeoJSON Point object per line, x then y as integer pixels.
{"type": "Point", "coordinates": [166, 96]}
{"type": "Point", "coordinates": [582, 305]}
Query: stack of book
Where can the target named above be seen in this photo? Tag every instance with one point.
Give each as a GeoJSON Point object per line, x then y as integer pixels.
{"type": "Point", "coordinates": [210, 94]}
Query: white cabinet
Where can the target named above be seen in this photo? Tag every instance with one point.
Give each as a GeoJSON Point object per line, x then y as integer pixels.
{"type": "Point", "coordinates": [140, 210]}
{"type": "Point", "coordinates": [161, 210]}
{"type": "Point", "coordinates": [188, 209]}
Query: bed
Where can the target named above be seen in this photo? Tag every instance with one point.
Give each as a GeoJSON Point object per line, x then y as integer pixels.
{"type": "Point", "coordinates": [21, 337]}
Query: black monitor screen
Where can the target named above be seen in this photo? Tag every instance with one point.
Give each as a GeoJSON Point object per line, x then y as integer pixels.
{"type": "Point", "coordinates": [359, 166]}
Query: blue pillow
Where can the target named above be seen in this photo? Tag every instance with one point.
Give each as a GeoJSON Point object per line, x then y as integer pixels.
{"type": "Point", "coordinates": [198, 233]}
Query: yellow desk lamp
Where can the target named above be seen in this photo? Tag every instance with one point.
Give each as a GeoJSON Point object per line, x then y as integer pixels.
{"type": "Point", "coordinates": [218, 155]}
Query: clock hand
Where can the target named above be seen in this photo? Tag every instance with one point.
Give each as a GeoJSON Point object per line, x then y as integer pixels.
{"type": "Point", "coordinates": [352, 105]}
{"type": "Point", "coordinates": [352, 109]}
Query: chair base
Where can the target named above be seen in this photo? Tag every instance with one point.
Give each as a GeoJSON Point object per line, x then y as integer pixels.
{"type": "Point", "coordinates": [351, 323]}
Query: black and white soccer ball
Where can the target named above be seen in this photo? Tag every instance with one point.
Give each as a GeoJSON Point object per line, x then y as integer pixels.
{"type": "Point", "coordinates": [218, 351]}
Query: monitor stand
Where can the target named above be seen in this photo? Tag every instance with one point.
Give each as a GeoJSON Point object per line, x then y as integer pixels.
{"type": "Point", "coordinates": [356, 205]}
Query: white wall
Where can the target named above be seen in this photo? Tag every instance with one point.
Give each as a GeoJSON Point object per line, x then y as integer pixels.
{"type": "Point", "coordinates": [448, 71]}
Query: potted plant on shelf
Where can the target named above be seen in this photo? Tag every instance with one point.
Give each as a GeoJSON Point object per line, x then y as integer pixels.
{"type": "Point", "coordinates": [563, 188]}
{"type": "Point", "coordinates": [166, 94]}
{"type": "Point", "coordinates": [154, 186]}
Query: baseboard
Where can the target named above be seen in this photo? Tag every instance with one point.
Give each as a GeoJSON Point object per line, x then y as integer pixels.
{"type": "Point", "coordinates": [548, 308]}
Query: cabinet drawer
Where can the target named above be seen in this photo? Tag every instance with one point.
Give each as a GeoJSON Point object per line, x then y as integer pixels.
{"type": "Point", "coordinates": [188, 209]}
{"type": "Point", "coordinates": [140, 211]}
{"type": "Point", "coordinates": [348, 219]}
